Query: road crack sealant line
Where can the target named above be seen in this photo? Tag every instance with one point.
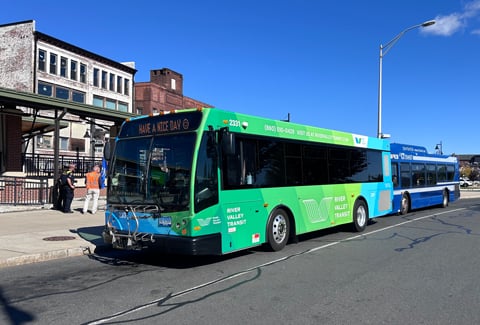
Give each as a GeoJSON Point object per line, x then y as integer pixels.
{"type": "Point", "coordinates": [251, 269]}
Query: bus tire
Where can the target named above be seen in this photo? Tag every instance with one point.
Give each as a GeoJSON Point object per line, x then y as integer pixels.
{"type": "Point", "coordinates": [278, 230]}
{"type": "Point", "coordinates": [445, 199]}
{"type": "Point", "coordinates": [404, 204]}
{"type": "Point", "coordinates": [360, 216]}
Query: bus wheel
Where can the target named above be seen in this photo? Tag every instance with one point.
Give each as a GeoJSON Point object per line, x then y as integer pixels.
{"type": "Point", "coordinates": [404, 204]}
{"type": "Point", "coordinates": [445, 199]}
{"type": "Point", "coordinates": [360, 216]}
{"type": "Point", "coordinates": [278, 230]}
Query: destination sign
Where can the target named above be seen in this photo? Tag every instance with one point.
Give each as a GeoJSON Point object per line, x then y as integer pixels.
{"type": "Point", "coordinates": [161, 124]}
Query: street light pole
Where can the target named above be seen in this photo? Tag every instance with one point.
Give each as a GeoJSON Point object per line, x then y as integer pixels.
{"type": "Point", "coordinates": [92, 142]}
{"type": "Point", "coordinates": [439, 148]}
{"type": "Point", "coordinates": [383, 51]}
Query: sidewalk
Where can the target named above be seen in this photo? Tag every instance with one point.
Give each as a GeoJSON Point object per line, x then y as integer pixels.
{"type": "Point", "coordinates": [35, 234]}
{"type": "Point", "coordinates": [31, 234]}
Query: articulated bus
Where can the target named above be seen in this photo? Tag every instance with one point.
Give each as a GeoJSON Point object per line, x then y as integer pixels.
{"type": "Point", "coordinates": [421, 179]}
{"type": "Point", "coordinates": [211, 182]}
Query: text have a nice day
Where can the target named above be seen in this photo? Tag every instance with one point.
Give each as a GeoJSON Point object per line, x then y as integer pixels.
{"type": "Point", "coordinates": [160, 127]}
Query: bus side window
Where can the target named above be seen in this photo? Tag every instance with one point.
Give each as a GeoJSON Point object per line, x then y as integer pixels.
{"type": "Point", "coordinates": [233, 171]}
{"type": "Point", "coordinates": [240, 169]}
{"type": "Point", "coordinates": [395, 175]}
{"type": "Point", "coordinates": [418, 174]}
{"type": "Point", "coordinates": [206, 181]}
{"type": "Point", "coordinates": [418, 179]}
{"type": "Point", "coordinates": [405, 175]}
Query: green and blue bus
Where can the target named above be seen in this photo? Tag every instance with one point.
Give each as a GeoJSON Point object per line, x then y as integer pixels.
{"type": "Point", "coordinates": [210, 182]}
{"type": "Point", "coordinates": [422, 179]}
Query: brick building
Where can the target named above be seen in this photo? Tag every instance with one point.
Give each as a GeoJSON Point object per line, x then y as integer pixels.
{"type": "Point", "coordinates": [164, 92]}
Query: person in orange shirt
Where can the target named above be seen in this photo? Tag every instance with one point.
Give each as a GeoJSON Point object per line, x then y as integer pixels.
{"type": "Point", "coordinates": [92, 183]}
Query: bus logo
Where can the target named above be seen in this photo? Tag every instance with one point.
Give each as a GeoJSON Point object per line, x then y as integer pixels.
{"type": "Point", "coordinates": [317, 212]}
{"type": "Point", "coordinates": [360, 140]}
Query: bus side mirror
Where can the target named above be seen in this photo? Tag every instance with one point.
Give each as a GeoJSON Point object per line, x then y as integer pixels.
{"type": "Point", "coordinates": [228, 142]}
{"type": "Point", "coordinates": [211, 145]}
{"type": "Point", "coordinates": [107, 151]}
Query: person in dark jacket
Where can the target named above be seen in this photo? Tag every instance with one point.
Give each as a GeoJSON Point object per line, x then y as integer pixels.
{"type": "Point", "coordinates": [68, 188]}
{"type": "Point", "coordinates": [57, 188]}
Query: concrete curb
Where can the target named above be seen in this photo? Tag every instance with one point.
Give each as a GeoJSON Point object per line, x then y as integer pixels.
{"type": "Point", "coordinates": [54, 255]}
{"type": "Point", "coordinates": [46, 256]}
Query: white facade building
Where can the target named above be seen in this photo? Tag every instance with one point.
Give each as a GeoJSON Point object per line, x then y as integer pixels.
{"type": "Point", "coordinates": [34, 62]}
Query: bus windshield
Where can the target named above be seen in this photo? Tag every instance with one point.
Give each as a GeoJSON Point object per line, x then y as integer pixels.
{"type": "Point", "coordinates": [153, 170]}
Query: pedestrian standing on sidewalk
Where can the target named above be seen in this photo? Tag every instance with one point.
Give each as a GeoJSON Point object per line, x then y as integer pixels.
{"type": "Point", "coordinates": [57, 188]}
{"type": "Point", "coordinates": [92, 183]}
{"type": "Point", "coordinates": [68, 188]}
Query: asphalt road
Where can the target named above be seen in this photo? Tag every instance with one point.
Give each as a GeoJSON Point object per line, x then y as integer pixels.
{"type": "Point", "coordinates": [416, 269]}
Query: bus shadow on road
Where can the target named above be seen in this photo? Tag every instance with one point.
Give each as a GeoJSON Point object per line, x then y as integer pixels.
{"type": "Point", "coordinates": [340, 229]}
{"type": "Point", "coordinates": [105, 253]}
{"type": "Point", "coordinates": [152, 257]}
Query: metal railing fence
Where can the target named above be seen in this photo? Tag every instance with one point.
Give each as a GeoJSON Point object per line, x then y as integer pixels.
{"type": "Point", "coordinates": [37, 187]}
{"type": "Point", "coordinates": [22, 191]}
{"type": "Point", "coordinates": [41, 165]}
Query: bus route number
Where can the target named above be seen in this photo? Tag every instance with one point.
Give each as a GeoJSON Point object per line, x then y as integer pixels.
{"type": "Point", "coordinates": [235, 123]}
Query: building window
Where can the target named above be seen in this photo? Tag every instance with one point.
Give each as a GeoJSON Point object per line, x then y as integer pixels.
{"type": "Point", "coordinates": [62, 93]}
{"type": "Point", "coordinates": [83, 73]}
{"type": "Point", "coordinates": [73, 70]}
{"type": "Point", "coordinates": [45, 89]}
{"type": "Point", "coordinates": [78, 97]}
{"type": "Point", "coordinates": [44, 141]}
{"type": "Point", "coordinates": [122, 107]}
{"type": "Point", "coordinates": [112, 82]}
{"type": "Point", "coordinates": [119, 84]}
{"type": "Point", "coordinates": [77, 145]}
{"type": "Point", "coordinates": [139, 111]}
{"type": "Point", "coordinates": [63, 143]}
{"type": "Point", "coordinates": [173, 84]}
{"type": "Point", "coordinates": [41, 60]}
{"type": "Point", "coordinates": [110, 104]}
{"type": "Point", "coordinates": [126, 86]}
{"type": "Point", "coordinates": [63, 67]}
{"type": "Point", "coordinates": [47, 141]}
{"type": "Point", "coordinates": [97, 101]}
{"type": "Point", "coordinates": [104, 79]}
{"type": "Point", "coordinates": [96, 75]}
{"type": "Point", "coordinates": [53, 63]}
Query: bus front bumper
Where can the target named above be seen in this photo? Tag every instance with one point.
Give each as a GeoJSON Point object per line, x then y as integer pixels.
{"type": "Point", "coordinates": [201, 245]}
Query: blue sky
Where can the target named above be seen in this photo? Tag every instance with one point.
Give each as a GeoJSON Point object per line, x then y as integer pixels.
{"type": "Point", "coordinates": [317, 60]}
